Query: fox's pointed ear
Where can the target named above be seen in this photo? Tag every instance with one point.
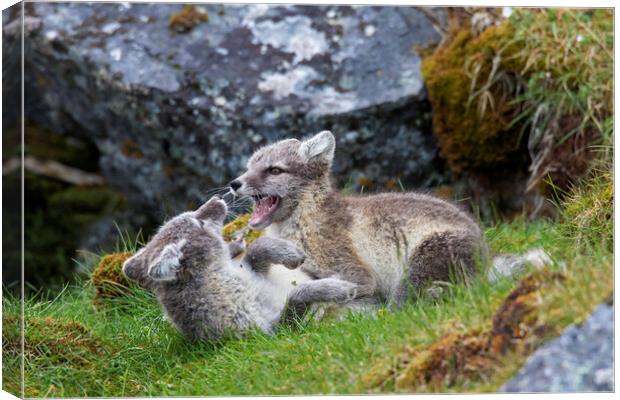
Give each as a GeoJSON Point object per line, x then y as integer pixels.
{"type": "Point", "coordinates": [322, 145]}
{"type": "Point", "coordinates": [215, 209]}
{"type": "Point", "coordinates": [134, 267]}
{"type": "Point", "coordinates": [166, 265]}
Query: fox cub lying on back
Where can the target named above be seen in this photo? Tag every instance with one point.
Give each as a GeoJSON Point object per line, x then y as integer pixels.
{"type": "Point", "coordinates": [387, 245]}
{"type": "Point", "coordinates": [204, 294]}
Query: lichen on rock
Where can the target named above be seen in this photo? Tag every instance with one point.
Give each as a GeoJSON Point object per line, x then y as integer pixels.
{"type": "Point", "coordinates": [173, 114]}
{"type": "Point", "coordinates": [186, 19]}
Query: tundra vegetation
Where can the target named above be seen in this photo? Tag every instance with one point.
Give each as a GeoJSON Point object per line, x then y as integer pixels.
{"type": "Point", "coordinates": [534, 88]}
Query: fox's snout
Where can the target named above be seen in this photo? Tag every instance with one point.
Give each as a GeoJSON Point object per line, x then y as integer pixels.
{"type": "Point", "coordinates": [244, 184]}
{"type": "Point", "coordinates": [235, 185]}
{"type": "Point", "coordinates": [239, 184]}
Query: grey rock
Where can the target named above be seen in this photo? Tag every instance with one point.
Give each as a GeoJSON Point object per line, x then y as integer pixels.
{"type": "Point", "coordinates": [580, 360]}
{"type": "Point", "coordinates": [175, 115]}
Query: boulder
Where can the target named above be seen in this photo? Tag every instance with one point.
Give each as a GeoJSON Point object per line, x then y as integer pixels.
{"type": "Point", "coordinates": [177, 98]}
{"type": "Point", "coordinates": [580, 360]}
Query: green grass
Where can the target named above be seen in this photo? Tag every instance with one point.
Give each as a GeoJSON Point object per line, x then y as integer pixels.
{"type": "Point", "coordinates": [126, 348]}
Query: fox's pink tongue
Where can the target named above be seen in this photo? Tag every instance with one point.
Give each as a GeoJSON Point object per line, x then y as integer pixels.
{"type": "Point", "coordinates": [263, 210]}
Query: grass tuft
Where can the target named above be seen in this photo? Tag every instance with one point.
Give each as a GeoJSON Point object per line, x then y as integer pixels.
{"type": "Point", "coordinates": [532, 90]}
{"type": "Point", "coordinates": [588, 216]}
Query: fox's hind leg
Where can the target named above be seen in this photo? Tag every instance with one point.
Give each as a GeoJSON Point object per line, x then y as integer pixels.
{"type": "Point", "coordinates": [441, 257]}
{"type": "Point", "coordinates": [326, 290]}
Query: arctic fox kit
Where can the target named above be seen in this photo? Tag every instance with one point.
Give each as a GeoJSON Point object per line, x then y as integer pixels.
{"type": "Point", "coordinates": [203, 293]}
{"type": "Point", "coordinates": [388, 245]}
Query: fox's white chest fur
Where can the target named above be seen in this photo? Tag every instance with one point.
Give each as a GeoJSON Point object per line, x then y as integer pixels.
{"type": "Point", "coordinates": [271, 289]}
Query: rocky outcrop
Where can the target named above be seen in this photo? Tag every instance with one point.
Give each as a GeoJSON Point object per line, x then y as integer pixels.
{"type": "Point", "coordinates": [580, 360]}
{"type": "Point", "coordinates": [176, 109]}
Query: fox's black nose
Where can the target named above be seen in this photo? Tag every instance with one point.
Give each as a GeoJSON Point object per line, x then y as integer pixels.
{"type": "Point", "coordinates": [235, 184]}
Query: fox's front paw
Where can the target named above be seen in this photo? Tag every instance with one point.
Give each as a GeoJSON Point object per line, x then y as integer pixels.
{"type": "Point", "coordinates": [349, 293]}
{"type": "Point", "coordinates": [294, 259]}
{"type": "Point", "coordinates": [236, 248]}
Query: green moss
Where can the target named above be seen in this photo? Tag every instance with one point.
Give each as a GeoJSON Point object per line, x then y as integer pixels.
{"type": "Point", "coordinates": [108, 278]}
{"type": "Point", "coordinates": [236, 226]}
{"type": "Point", "coordinates": [474, 133]}
{"type": "Point", "coordinates": [550, 69]}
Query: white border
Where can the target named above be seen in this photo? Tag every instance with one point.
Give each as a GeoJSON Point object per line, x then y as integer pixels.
{"type": "Point", "coordinates": [488, 3]}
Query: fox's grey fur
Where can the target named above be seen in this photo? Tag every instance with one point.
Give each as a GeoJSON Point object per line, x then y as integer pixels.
{"type": "Point", "coordinates": [189, 268]}
{"type": "Point", "coordinates": [386, 246]}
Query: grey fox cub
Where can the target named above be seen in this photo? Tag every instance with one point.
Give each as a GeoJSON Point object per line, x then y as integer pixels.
{"type": "Point", "coordinates": [204, 294]}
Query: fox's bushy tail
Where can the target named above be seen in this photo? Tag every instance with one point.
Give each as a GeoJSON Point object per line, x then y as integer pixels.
{"type": "Point", "coordinates": [507, 265]}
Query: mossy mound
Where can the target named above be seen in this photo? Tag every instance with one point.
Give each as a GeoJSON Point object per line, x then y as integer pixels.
{"type": "Point", "coordinates": [530, 94]}
{"type": "Point", "coordinates": [239, 226]}
{"type": "Point", "coordinates": [473, 105]}
{"type": "Point", "coordinates": [473, 355]}
{"type": "Point", "coordinates": [108, 278]}
{"type": "Point", "coordinates": [52, 342]}
{"type": "Point", "coordinates": [516, 326]}
{"type": "Point", "coordinates": [186, 19]}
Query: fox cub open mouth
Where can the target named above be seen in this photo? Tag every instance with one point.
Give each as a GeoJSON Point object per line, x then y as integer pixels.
{"type": "Point", "coordinates": [265, 207]}
{"type": "Point", "coordinates": [280, 176]}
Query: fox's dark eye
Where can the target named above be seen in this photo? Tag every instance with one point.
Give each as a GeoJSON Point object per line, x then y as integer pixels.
{"type": "Point", "coordinates": [275, 171]}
